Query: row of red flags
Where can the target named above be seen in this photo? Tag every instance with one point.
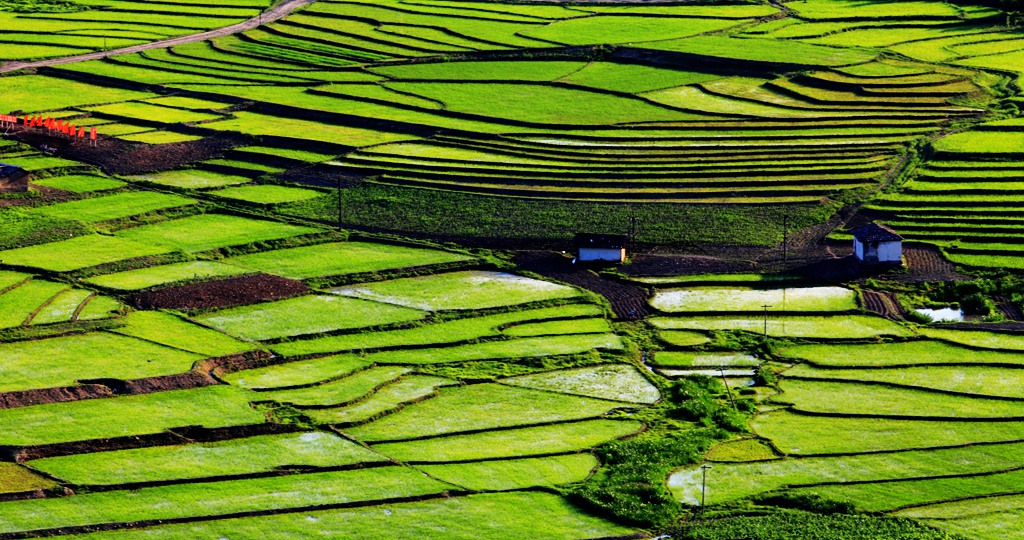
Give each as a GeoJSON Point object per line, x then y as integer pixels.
{"type": "Point", "coordinates": [66, 128]}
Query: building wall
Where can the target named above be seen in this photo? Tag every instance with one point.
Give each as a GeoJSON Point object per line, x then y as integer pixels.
{"type": "Point", "coordinates": [890, 252]}
{"type": "Point", "coordinates": [592, 254]}
{"type": "Point", "coordinates": [858, 249]}
{"type": "Point", "coordinates": [14, 183]}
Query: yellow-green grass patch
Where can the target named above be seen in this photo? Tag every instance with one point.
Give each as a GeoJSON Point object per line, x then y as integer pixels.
{"type": "Point", "coordinates": [120, 205]}
{"type": "Point", "coordinates": [460, 290]}
{"type": "Point", "coordinates": [161, 275]}
{"type": "Point", "coordinates": [210, 231]}
{"type": "Point", "coordinates": [236, 456]}
{"type": "Point", "coordinates": [480, 406]}
{"type": "Point", "coordinates": [306, 315]}
{"type": "Point", "coordinates": [90, 250]}
{"type": "Point", "coordinates": [618, 382]}
{"type": "Point", "coordinates": [515, 473]}
{"type": "Point", "coordinates": [551, 439]}
{"type": "Point", "coordinates": [62, 361]}
{"type": "Point", "coordinates": [267, 194]}
{"type": "Point", "coordinates": [342, 258]}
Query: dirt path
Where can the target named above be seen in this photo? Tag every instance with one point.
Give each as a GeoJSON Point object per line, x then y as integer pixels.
{"type": "Point", "coordinates": [272, 14]}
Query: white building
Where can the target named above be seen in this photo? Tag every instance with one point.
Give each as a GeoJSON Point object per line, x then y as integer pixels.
{"type": "Point", "coordinates": [877, 244]}
{"type": "Point", "coordinates": [600, 247]}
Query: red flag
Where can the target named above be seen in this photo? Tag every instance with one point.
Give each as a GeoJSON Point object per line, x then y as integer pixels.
{"type": "Point", "coordinates": [81, 132]}
{"type": "Point", "coordinates": [26, 121]}
{"type": "Point", "coordinates": [92, 134]}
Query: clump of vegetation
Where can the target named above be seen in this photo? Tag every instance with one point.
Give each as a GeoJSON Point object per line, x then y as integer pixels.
{"type": "Point", "coordinates": [782, 525]}
{"type": "Point", "coordinates": [631, 482]}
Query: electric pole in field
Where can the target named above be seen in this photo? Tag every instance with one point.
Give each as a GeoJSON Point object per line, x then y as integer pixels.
{"type": "Point", "coordinates": [703, 484]}
{"type": "Point", "coordinates": [785, 239]}
{"type": "Point", "coordinates": [765, 308]}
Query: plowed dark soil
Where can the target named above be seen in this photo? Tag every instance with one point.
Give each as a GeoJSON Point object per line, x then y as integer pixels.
{"type": "Point", "coordinates": [629, 302]}
{"type": "Point", "coordinates": [239, 291]}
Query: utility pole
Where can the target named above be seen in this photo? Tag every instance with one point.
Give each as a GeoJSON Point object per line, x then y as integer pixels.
{"type": "Point", "coordinates": [703, 484]}
{"type": "Point", "coordinates": [339, 203]}
{"type": "Point", "coordinates": [728, 391]}
{"type": "Point", "coordinates": [785, 239]}
{"type": "Point", "coordinates": [765, 307]}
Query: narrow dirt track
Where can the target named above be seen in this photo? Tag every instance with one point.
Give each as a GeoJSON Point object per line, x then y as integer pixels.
{"type": "Point", "coordinates": [272, 14]}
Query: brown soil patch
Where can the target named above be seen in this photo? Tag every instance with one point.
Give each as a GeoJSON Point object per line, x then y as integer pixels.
{"type": "Point", "coordinates": [683, 265]}
{"type": "Point", "coordinates": [883, 304]}
{"type": "Point", "coordinates": [115, 156]}
{"type": "Point", "coordinates": [239, 291]}
{"type": "Point", "coordinates": [628, 301]}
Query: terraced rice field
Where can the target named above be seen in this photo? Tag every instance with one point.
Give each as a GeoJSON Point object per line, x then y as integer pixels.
{"type": "Point", "coordinates": [930, 419]}
{"type": "Point", "coordinates": [188, 418]}
{"type": "Point", "coordinates": [228, 357]}
{"type": "Point", "coordinates": [605, 115]}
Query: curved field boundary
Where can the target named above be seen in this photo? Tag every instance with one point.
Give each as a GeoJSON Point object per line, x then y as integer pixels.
{"type": "Point", "coordinates": [270, 15]}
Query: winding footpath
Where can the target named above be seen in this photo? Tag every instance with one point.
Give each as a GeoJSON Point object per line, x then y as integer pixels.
{"type": "Point", "coordinates": [272, 14]}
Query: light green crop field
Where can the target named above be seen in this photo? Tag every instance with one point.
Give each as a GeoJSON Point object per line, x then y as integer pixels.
{"type": "Point", "coordinates": [162, 275]}
{"type": "Point", "coordinates": [306, 315]}
{"type": "Point", "coordinates": [612, 382]}
{"type": "Point", "coordinates": [341, 258]}
{"type": "Point", "coordinates": [117, 206]}
{"type": "Point", "coordinates": [63, 307]}
{"type": "Point", "coordinates": [90, 250]}
{"type": "Point", "coordinates": [556, 438]}
{"type": "Point", "coordinates": [18, 305]}
{"type": "Point", "coordinates": [853, 398]}
{"type": "Point", "coordinates": [213, 406]}
{"type": "Point", "coordinates": [169, 330]}
{"type": "Point", "coordinates": [231, 457]}
{"type": "Point", "coordinates": [984, 340]}
{"type": "Point", "coordinates": [834, 327]}
{"type": "Point", "coordinates": [495, 350]}
{"type": "Point", "coordinates": [80, 183]}
{"type": "Point", "coordinates": [490, 516]}
{"type": "Point", "coordinates": [802, 434]}
{"type": "Point", "coordinates": [730, 481]}
{"type": "Point", "coordinates": [340, 392]}
{"type": "Point", "coordinates": [455, 331]}
{"type": "Point", "coordinates": [722, 299]}
{"type": "Point", "coordinates": [977, 380]}
{"type": "Point", "coordinates": [15, 478]}
{"type": "Point", "coordinates": [460, 290]}
{"type": "Point", "coordinates": [450, 375]}
{"type": "Point", "coordinates": [903, 354]}
{"type": "Point", "coordinates": [61, 361]}
{"type": "Point", "coordinates": [217, 498]}
{"type": "Point", "coordinates": [480, 406]}
{"type": "Point", "coordinates": [515, 474]}
{"type": "Point", "coordinates": [546, 328]}
{"type": "Point", "coordinates": [704, 359]}
{"type": "Point", "coordinates": [210, 231]}
{"type": "Point", "coordinates": [406, 390]}
{"type": "Point", "coordinates": [298, 373]}
{"type": "Point", "coordinates": [267, 194]}
{"type": "Point", "coordinates": [192, 179]}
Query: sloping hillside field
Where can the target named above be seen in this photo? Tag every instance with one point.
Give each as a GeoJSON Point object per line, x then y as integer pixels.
{"type": "Point", "coordinates": [301, 269]}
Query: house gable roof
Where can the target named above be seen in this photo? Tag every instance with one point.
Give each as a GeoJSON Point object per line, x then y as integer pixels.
{"type": "Point", "coordinates": [9, 170]}
{"type": "Point", "coordinates": [873, 232]}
